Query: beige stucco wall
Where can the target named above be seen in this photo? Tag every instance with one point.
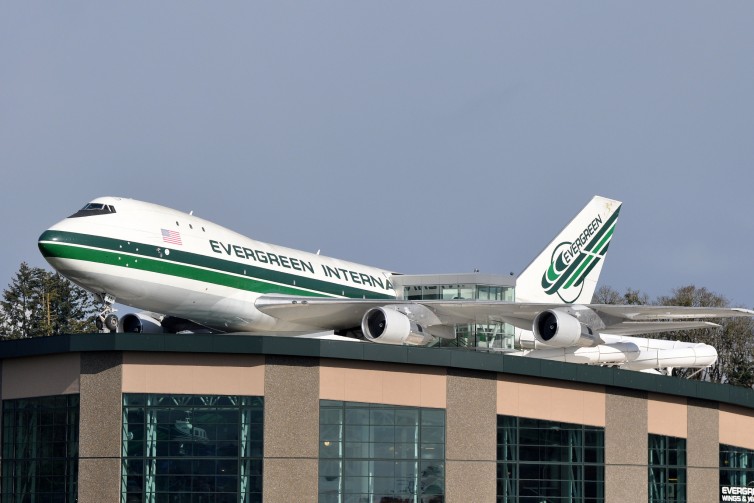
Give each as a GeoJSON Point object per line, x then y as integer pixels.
{"type": "Point", "coordinates": [667, 415]}
{"type": "Point", "coordinates": [389, 383]}
{"type": "Point", "coordinates": [40, 376]}
{"type": "Point", "coordinates": [736, 426]}
{"type": "Point", "coordinates": [187, 373]}
{"type": "Point", "coordinates": [550, 400]}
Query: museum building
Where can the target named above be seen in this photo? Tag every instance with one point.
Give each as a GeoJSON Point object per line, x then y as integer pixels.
{"type": "Point", "coordinates": [248, 418]}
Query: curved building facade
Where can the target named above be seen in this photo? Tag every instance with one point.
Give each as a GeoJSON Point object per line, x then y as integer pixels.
{"type": "Point", "coordinates": [194, 418]}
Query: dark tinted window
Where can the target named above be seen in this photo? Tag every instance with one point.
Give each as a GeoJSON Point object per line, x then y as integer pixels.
{"type": "Point", "coordinates": [91, 209]}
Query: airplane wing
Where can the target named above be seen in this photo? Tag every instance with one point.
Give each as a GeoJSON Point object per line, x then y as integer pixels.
{"type": "Point", "coordinates": [656, 313]}
{"type": "Point", "coordinates": [340, 313]}
{"type": "Point", "coordinates": [329, 312]}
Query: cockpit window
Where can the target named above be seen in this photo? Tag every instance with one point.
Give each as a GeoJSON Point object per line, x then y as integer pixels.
{"type": "Point", "coordinates": [91, 209]}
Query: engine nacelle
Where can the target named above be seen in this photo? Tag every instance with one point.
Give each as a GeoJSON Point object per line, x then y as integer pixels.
{"type": "Point", "coordinates": [561, 330]}
{"type": "Point", "coordinates": [388, 326]}
{"type": "Point", "coordinates": [139, 323]}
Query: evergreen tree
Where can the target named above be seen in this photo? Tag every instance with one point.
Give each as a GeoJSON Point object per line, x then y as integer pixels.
{"type": "Point", "coordinates": [68, 309]}
{"type": "Point", "coordinates": [39, 303]}
{"type": "Point", "coordinates": [21, 308]}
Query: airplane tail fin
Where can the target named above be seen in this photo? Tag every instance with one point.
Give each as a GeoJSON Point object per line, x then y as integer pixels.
{"type": "Point", "coordinates": [568, 268]}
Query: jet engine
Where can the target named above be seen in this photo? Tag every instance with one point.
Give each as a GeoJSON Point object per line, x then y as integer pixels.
{"type": "Point", "coordinates": [388, 326]}
{"type": "Point", "coordinates": [150, 323]}
{"type": "Point", "coordinates": [559, 329]}
{"type": "Point", "coordinates": [139, 323]}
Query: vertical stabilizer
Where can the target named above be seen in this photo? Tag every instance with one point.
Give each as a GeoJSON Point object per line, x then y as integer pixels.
{"type": "Point", "coordinates": [568, 268]}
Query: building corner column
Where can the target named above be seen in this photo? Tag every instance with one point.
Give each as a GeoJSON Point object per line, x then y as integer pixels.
{"type": "Point", "coordinates": [100, 416]}
{"type": "Point", "coordinates": [703, 452]}
{"type": "Point", "coordinates": [291, 428]}
{"type": "Point", "coordinates": [626, 445]}
{"type": "Point", "coordinates": [471, 436]}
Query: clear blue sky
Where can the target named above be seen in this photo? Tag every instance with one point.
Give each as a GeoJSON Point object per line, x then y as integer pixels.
{"type": "Point", "coordinates": [425, 136]}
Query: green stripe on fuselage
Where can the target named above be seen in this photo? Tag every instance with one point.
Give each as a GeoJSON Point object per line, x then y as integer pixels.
{"type": "Point", "coordinates": [191, 266]}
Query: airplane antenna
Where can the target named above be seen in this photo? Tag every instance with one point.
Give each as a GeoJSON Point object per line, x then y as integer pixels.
{"type": "Point", "coordinates": [317, 252]}
{"type": "Point", "coordinates": [191, 212]}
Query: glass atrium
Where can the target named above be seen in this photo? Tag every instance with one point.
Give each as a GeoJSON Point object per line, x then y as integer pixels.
{"type": "Point", "coordinates": [475, 287]}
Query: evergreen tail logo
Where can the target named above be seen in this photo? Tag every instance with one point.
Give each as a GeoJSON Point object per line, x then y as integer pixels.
{"type": "Point", "coordinates": [572, 261]}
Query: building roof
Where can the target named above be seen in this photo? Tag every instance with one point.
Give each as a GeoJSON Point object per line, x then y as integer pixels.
{"type": "Point", "coordinates": [436, 357]}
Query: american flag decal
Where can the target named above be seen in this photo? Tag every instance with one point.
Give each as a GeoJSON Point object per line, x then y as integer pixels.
{"type": "Point", "coordinates": [172, 237]}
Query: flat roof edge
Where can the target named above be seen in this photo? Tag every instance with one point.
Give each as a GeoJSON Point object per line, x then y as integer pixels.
{"type": "Point", "coordinates": [324, 348]}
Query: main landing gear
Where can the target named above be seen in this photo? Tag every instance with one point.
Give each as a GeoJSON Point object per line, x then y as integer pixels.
{"type": "Point", "coordinates": [107, 320]}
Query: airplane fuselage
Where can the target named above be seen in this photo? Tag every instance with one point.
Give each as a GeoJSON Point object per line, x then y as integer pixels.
{"type": "Point", "coordinates": [159, 259]}
{"type": "Point", "coordinates": [200, 274]}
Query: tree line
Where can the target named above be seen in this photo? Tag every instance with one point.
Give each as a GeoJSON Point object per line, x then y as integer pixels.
{"type": "Point", "coordinates": [40, 303]}
{"type": "Point", "coordinates": [733, 340]}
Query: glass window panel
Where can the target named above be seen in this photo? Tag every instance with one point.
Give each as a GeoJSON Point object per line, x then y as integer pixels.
{"type": "Point", "coordinates": [380, 452]}
{"type": "Point", "coordinates": [357, 416]}
{"type": "Point", "coordinates": [433, 417]}
{"type": "Point", "coordinates": [383, 434]}
{"type": "Point", "coordinates": [552, 465]}
{"type": "Point", "coordinates": [330, 416]}
{"type": "Point", "coordinates": [406, 450]}
{"type": "Point", "coordinates": [382, 417]}
{"type": "Point", "coordinates": [357, 484]}
{"type": "Point", "coordinates": [329, 449]}
{"type": "Point", "coordinates": [432, 434]}
{"type": "Point", "coordinates": [735, 467]}
{"type": "Point", "coordinates": [405, 469]}
{"type": "Point", "coordinates": [430, 292]}
{"type": "Point", "coordinates": [356, 450]}
{"type": "Point", "coordinates": [40, 448]}
{"type": "Point", "coordinates": [200, 444]}
{"type": "Point", "coordinates": [390, 486]}
{"type": "Point", "coordinates": [382, 468]}
{"type": "Point", "coordinates": [331, 432]}
{"type": "Point", "coordinates": [357, 468]}
{"type": "Point", "coordinates": [432, 451]}
{"type": "Point", "coordinates": [406, 417]}
{"type": "Point", "coordinates": [666, 468]}
{"type": "Point", "coordinates": [407, 434]}
{"type": "Point", "coordinates": [412, 292]}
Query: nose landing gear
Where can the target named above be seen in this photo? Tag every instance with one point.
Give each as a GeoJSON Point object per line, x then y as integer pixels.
{"type": "Point", "coordinates": [107, 320]}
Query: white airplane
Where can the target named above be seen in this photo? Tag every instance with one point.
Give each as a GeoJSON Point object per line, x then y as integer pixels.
{"type": "Point", "coordinates": [199, 275]}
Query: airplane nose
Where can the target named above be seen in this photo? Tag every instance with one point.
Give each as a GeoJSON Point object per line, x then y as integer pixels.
{"type": "Point", "coordinates": [51, 242]}
{"type": "Point", "coordinates": [46, 243]}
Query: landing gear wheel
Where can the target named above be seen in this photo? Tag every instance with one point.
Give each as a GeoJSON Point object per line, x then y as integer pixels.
{"type": "Point", "coordinates": [106, 321]}
{"type": "Point", "coordinates": [111, 322]}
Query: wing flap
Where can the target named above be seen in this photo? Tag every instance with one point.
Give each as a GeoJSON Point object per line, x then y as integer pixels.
{"type": "Point", "coordinates": [653, 327]}
{"type": "Point", "coordinates": [666, 313]}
